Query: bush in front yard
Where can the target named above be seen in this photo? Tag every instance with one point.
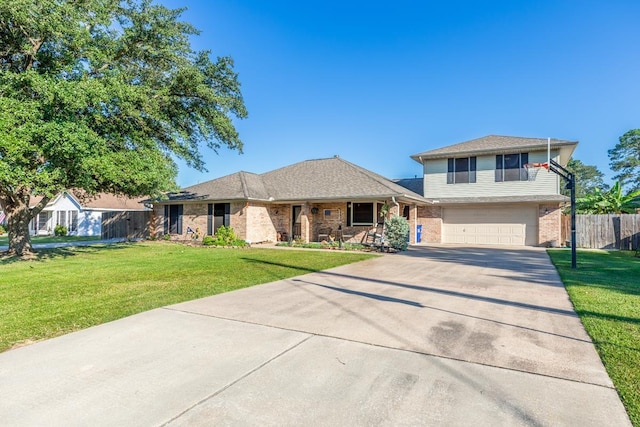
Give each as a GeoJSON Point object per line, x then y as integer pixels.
{"type": "Point", "coordinates": [225, 236]}
{"type": "Point", "coordinates": [60, 230]}
{"type": "Point", "coordinates": [396, 232]}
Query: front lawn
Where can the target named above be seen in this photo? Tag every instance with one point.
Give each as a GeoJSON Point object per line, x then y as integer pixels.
{"type": "Point", "coordinates": [4, 239]}
{"type": "Point", "coordinates": [605, 291]}
{"type": "Point", "coordinates": [67, 289]}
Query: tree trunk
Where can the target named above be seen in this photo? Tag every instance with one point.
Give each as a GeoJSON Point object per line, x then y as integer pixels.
{"type": "Point", "coordinates": [18, 217]}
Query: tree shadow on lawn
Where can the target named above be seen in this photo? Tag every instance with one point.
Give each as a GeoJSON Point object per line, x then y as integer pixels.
{"type": "Point", "coordinates": [60, 252]}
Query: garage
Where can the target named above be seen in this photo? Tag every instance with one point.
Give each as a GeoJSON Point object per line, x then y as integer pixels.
{"type": "Point", "coordinates": [491, 225]}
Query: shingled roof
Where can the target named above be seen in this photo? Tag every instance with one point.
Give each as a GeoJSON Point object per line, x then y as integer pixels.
{"type": "Point", "coordinates": [492, 144]}
{"type": "Point", "coordinates": [320, 179]}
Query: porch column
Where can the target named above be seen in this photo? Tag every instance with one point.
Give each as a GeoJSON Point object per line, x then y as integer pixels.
{"type": "Point", "coordinates": [413, 223]}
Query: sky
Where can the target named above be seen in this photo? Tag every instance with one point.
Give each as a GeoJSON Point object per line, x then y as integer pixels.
{"type": "Point", "coordinates": [375, 82]}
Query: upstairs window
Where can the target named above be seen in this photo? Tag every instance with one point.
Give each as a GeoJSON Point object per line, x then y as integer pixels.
{"type": "Point", "coordinates": [461, 170]}
{"type": "Point", "coordinates": [510, 167]}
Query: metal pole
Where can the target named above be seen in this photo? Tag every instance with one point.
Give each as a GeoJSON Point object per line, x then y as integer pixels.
{"type": "Point", "coordinates": [572, 182]}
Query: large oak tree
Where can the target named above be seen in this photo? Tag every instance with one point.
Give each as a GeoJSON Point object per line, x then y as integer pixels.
{"type": "Point", "coordinates": [102, 95]}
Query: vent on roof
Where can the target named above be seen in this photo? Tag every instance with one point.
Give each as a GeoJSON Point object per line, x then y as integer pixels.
{"type": "Point", "coordinates": [336, 156]}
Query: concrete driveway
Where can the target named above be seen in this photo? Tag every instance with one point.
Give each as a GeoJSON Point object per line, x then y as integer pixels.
{"type": "Point", "coordinates": [439, 335]}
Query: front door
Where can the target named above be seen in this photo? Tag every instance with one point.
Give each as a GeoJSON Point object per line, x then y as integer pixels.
{"type": "Point", "coordinates": [296, 225]}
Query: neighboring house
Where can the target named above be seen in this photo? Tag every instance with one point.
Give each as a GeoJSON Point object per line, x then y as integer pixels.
{"type": "Point", "coordinates": [312, 200]}
{"type": "Point", "coordinates": [483, 194]}
{"type": "Point", "coordinates": [81, 217]}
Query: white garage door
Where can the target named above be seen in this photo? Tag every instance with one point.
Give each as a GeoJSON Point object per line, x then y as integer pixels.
{"type": "Point", "coordinates": [505, 225]}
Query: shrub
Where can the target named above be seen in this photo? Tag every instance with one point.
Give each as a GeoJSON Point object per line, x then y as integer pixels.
{"type": "Point", "coordinates": [2, 230]}
{"type": "Point", "coordinates": [396, 232]}
{"type": "Point", "coordinates": [225, 236]}
{"type": "Point", "coordinates": [60, 230]}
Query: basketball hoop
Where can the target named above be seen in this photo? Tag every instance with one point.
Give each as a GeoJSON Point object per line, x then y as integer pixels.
{"type": "Point", "coordinates": [533, 168]}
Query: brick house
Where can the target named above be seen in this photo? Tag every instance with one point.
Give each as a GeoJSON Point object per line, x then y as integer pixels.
{"type": "Point", "coordinates": [474, 192]}
{"type": "Point", "coordinates": [481, 193]}
{"type": "Point", "coordinates": [311, 200]}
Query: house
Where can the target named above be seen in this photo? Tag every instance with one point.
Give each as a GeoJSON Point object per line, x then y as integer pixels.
{"type": "Point", "coordinates": [474, 192]}
{"type": "Point", "coordinates": [82, 216]}
{"type": "Point", "coordinates": [482, 193]}
{"type": "Point", "coordinates": [313, 200]}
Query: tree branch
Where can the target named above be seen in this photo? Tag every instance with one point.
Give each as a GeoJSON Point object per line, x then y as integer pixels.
{"type": "Point", "coordinates": [38, 208]}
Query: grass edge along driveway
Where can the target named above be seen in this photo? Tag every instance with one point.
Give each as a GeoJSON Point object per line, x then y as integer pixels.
{"type": "Point", "coordinates": [605, 292]}
{"type": "Point", "coordinates": [68, 289]}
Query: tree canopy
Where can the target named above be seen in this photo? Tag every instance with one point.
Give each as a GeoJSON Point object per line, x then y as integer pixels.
{"type": "Point", "coordinates": [588, 178]}
{"type": "Point", "coordinates": [102, 95]}
{"type": "Point", "coordinates": [625, 159]}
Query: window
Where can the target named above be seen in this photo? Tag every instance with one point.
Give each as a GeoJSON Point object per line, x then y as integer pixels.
{"type": "Point", "coordinates": [43, 219]}
{"type": "Point", "coordinates": [73, 221]}
{"type": "Point", "coordinates": [461, 170]}
{"type": "Point", "coordinates": [359, 213]}
{"type": "Point", "coordinates": [173, 219]}
{"type": "Point", "coordinates": [62, 218]}
{"type": "Point", "coordinates": [510, 167]}
{"type": "Point", "coordinates": [218, 215]}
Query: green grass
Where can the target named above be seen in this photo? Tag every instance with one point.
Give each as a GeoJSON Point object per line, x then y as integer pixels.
{"type": "Point", "coordinates": [4, 239]}
{"type": "Point", "coordinates": [68, 289]}
{"type": "Point", "coordinates": [605, 291]}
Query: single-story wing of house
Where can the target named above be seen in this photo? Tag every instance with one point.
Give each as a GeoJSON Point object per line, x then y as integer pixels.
{"type": "Point", "coordinates": [313, 200]}
{"type": "Point", "coordinates": [83, 216]}
{"type": "Point", "coordinates": [475, 192]}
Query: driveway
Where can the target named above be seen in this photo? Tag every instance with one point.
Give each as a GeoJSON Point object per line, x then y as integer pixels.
{"type": "Point", "coordinates": [439, 335]}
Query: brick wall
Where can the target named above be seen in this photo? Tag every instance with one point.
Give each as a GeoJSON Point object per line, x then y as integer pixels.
{"type": "Point", "coordinates": [157, 222]}
{"type": "Point", "coordinates": [238, 219]}
{"type": "Point", "coordinates": [260, 226]}
{"type": "Point", "coordinates": [549, 217]}
{"type": "Point", "coordinates": [281, 219]}
{"type": "Point", "coordinates": [430, 217]}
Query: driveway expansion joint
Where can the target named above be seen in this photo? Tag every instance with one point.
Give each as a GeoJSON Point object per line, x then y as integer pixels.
{"type": "Point", "coordinates": [237, 380]}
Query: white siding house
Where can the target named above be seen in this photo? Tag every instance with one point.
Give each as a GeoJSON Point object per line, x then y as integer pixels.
{"type": "Point", "coordinates": [80, 218]}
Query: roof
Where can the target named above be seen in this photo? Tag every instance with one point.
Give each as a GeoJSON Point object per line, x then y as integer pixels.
{"type": "Point", "coordinates": [414, 184]}
{"type": "Point", "coordinates": [320, 179]}
{"type": "Point", "coordinates": [494, 144]}
{"type": "Point", "coordinates": [100, 201]}
{"type": "Point", "coordinates": [237, 186]}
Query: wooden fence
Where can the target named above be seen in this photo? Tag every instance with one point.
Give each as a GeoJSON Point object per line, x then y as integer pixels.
{"type": "Point", "coordinates": [604, 231]}
{"type": "Point", "coordinates": [126, 225]}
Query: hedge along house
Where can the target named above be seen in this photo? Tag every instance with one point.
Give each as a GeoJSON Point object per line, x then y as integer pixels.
{"type": "Point", "coordinates": [313, 200]}
{"type": "Point", "coordinates": [483, 194]}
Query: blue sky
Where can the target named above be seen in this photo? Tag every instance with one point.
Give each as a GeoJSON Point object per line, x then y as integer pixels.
{"type": "Point", "coordinates": [375, 82]}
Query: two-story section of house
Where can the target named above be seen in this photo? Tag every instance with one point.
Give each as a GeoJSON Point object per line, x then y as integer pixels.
{"type": "Point", "coordinates": [482, 192]}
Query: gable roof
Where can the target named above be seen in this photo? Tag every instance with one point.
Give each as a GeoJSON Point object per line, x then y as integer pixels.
{"type": "Point", "coordinates": [320, 179]}
{"type": "Point", "coordinates": [495, 144]}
